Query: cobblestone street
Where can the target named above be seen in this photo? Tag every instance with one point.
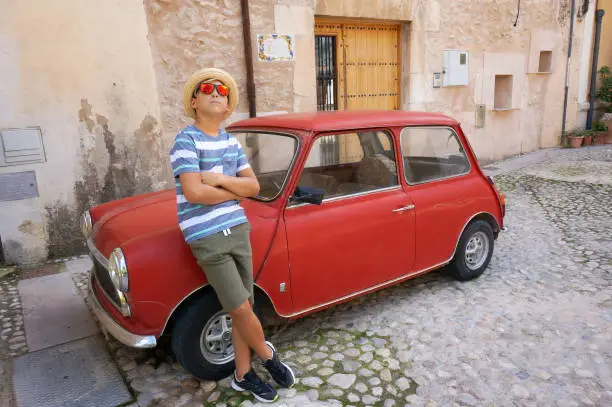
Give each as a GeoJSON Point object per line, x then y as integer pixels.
{"type": "Point", "coordinates": [534, 330]}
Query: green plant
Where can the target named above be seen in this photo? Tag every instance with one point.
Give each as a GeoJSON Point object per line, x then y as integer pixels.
{"type": "Point", "coordinates": [605, 90]}
{"type": "Point", "coordinates": [590, 133]}
{"type": "Point", "coordinates": [576, 133]}
{"type": "Point", "coordinates": [600, 127]}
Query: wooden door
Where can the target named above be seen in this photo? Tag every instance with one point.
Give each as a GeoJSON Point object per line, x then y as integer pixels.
{"type": "Point", "coordinates": [367, 65]}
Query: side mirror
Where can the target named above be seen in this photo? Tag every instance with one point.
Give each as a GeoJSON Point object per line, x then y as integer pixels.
{"type": "Point", "coordinates": [308, 195]}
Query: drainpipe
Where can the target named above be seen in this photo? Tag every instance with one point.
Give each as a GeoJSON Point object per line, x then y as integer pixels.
{"type": "Point", "coordinates": [1, 252]}
{"type": "Point", "coordinates": [248, 53]}
{"type": "Point", "coordinates": [598, 19]}
{"type": "Point", "coordinates": [567, 73]}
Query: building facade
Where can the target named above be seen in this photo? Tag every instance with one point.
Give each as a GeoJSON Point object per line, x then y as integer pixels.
{"type": "Point", "coordinates": [91, 91]}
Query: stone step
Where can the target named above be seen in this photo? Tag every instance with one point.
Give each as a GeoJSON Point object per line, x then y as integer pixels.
{"type": "Point", "coordinates": [75, 374]}
{"type": "Point", "coordinates": [54, 312]}
{"type": "Point", "coordinates": [68, 364]}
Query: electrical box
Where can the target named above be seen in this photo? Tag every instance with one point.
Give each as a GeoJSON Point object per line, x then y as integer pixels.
{"type": "Point", "coordinates": [456, 68]}
{"type": "Point", "coordinates": [18, 185]}
{"type": "Point", "coordinates": [21, 146]}
{"type": "Point", "coordinates": [480, 116]}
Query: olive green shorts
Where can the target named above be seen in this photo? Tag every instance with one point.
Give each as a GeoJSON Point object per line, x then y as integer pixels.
{"type": "Point", "coordinates": [226, 259]}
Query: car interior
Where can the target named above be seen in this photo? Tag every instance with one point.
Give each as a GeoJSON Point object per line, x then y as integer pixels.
{"type": "Point", "coordinates": [376, 169]}
{"type": "Point", "coordinates": [422, 169]}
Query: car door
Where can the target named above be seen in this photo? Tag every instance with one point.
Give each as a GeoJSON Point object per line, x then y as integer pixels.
{"type": "Point", "coordinates": [440, 182]}
{"type": "Point", "coordinates": [362, 234]}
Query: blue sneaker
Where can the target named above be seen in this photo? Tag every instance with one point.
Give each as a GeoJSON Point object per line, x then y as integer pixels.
{"type": "Point", "coordinates": [257, 387]}
{"type": "Point", "coordinates": [280, 372]}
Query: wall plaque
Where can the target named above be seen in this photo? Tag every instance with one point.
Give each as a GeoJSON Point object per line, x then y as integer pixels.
{"type": "Point", "coordinates": [275, 47]}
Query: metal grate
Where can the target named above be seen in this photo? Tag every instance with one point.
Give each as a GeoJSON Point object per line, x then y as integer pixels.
{"type": "Point", "coordinates": [330, 150]}
{"type": "Point", "coordinates": [105, 281]}
{"type": "Point", "coordinates": [327, 77]}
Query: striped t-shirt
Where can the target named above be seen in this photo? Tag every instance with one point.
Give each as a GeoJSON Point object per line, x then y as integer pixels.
{"type": "Point", "coordinates": [195, 151]}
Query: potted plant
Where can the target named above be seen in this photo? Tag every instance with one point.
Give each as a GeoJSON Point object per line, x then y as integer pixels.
{"type": "Point", "coordinates": [575, 138]}
{"type": "Point", "coordinates": [604, 94]}
{"type": "Point", "coordinates": [588, 137]}
{"type": "Point", "coordinates": [600, 131]}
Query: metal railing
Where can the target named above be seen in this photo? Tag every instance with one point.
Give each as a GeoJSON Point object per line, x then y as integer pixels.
{"type": "Point", "coordinates": [327, 83]}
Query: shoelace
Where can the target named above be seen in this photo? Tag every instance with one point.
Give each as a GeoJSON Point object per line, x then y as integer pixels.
{"type": "Point", "coordinates": [275, 366]}
{"type": "Point", "coordinates": [253, 378]}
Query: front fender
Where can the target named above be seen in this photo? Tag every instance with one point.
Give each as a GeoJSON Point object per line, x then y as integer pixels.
{"type": "Point", "coordinates": [162, 272]}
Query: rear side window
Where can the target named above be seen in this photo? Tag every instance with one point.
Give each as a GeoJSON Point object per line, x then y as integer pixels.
{"type": "Point", "coordinates": [432, 153]}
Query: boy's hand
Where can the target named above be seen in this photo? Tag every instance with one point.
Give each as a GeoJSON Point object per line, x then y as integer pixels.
{"type": "Point", "coordinates": [211, 178]}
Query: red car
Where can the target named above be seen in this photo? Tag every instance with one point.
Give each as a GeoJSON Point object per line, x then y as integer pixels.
{"type": "Point", "coordinates": [350, 202]}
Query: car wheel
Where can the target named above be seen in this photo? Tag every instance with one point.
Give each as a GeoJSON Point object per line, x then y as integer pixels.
{"type": "Point", "coordinates": [474, 251]}
{"type": "Point", "coordinates": [202, 339]}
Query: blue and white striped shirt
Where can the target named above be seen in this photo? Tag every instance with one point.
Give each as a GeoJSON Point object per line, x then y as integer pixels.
{"type": "Point", "coordinates": [195, 151]}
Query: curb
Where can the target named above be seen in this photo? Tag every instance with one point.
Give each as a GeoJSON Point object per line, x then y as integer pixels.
{"type": "Point", "coordinates": [533, 158]}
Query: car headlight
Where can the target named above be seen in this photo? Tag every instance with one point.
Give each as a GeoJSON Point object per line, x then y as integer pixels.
{"type": "Point", "coordinates": [117, 270]}
{"type": "Point", "coordinates": [86, 224]}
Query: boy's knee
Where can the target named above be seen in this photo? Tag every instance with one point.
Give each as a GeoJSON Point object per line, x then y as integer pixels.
{"type": "Point", "coordinates": [242, 311]}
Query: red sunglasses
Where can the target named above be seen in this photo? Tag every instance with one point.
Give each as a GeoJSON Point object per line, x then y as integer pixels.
{"type": "Point", "coordinates": [208, 88]}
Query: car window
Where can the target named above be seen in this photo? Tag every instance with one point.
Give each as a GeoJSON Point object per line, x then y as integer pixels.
{"type": "Point", "coordinates": [271, 156]}
{"type": "Point", "coordinates": [432, 153]}
{"type": "Point", "coordinates": [350, 163]}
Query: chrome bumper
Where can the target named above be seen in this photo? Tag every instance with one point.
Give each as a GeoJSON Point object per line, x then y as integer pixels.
{"type": "Point", "coordinates": [113, 328]}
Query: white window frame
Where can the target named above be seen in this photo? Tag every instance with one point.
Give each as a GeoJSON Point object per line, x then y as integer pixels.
{"type": "Point", "coordinates": [389, 133]}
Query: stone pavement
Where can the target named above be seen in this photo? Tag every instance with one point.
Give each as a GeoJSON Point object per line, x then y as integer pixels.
{"type": "Point", "coordinates": [59, 355]}
{"type": "Point", "coordinates": [534, 330]}
{"type": "Point", "coordinates": [9, 313]}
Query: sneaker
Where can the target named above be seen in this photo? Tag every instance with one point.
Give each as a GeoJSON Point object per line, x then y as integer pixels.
{"type": "Point", "coordinates": [280, 372]}
{"type": "Point", "coordinates": [257, 387]}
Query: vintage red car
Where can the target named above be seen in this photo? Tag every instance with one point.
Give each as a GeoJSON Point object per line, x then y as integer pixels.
{"type": "Point", "coordinates": [350, 202]}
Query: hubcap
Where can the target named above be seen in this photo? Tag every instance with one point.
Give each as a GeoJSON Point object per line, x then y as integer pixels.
{"type": "Point", "coordinates": [476, 250]}
{"type": "Point", "coordinates": [216, 339]}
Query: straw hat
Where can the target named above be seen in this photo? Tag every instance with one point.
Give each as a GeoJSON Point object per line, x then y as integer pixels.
{"type": "Point", "coordinates": [209, 74]}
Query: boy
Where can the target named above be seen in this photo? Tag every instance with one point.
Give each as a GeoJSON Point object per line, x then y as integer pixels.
{"type": "Point", "coordinates": [212, 175]}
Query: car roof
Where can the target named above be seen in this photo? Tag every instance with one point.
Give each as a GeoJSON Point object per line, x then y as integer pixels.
{"type": "Point", "coordinates": [345, 120]}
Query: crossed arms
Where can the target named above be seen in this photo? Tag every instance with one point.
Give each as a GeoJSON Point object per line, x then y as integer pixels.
{"type": "Point", "coordinates": [209, 188]}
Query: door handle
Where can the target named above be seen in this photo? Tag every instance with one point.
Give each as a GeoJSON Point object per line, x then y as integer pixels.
{"type": "Point", "coordinates": [404, 208]}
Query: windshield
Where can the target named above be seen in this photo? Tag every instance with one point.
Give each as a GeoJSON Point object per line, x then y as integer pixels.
{"type": "Point", "coordinates": [270, 156]}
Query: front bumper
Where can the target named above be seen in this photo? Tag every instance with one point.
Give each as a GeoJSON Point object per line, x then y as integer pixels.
{"type": "Point", "coordinates": [113, 328]}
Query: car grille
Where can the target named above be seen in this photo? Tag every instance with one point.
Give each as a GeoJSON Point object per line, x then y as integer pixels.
{"type": "Point", "coordinates": [105, 282]}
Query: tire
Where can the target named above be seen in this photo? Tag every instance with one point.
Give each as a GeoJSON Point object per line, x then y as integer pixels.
{"type": "Point", "coordinates": [188, 335]}
{"type": "Point", "coordinates": [474, 251]}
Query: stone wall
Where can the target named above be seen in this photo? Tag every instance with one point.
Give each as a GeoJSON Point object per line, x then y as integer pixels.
{"type": "Point", "coordinates": [81, 70]}
{"type": "Point", "coordinates": [605, 49]}
{"type": "Point", "coordinates": [187, 35]}
{"type": "Point", "coordinates": [486, 29]}
{"type": "Point", "coordinates": [104, 82]}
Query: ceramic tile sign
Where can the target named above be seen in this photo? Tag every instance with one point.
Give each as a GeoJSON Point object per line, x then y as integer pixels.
{"type": "Point", "coordinates": [275, 47]}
